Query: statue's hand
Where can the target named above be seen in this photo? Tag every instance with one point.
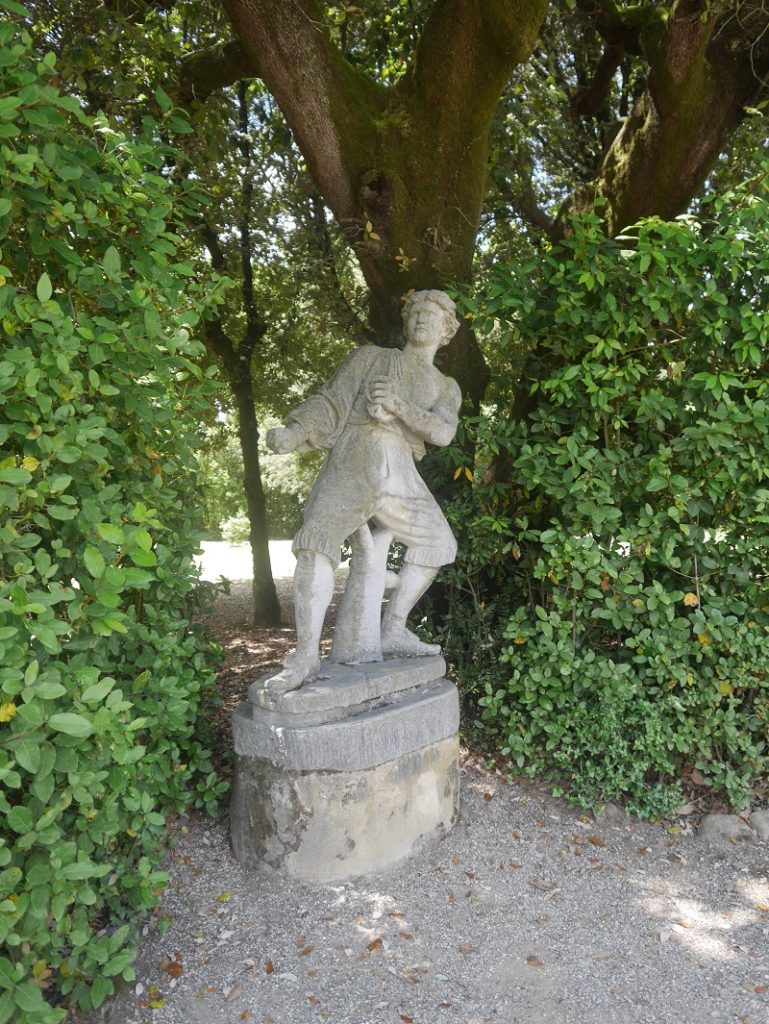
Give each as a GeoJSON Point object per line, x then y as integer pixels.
{"type": "Point", "coordinates": [283, 440]}
{"type": "Point", "coordinates": [383, 391]}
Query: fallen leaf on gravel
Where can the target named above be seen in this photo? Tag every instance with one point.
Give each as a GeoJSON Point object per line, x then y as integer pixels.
{"type": "Point", "coordinates": [488, 796]}
{"type": "Point", "coordinates": [596, 841]}
{"type": "Point", "coordinates": [763, 906]}
{"type": "Point", "coordinates": [396, 913]}
{"type": "Point", "coordinates": [375, 944]}
{"type": "Point", "coordinates": [445, 1006]}
{"type": "Point", "coordinates": [406, 935]}
{"type": "Point", "coordinates": [455, 861]}
{"type": "Point", "coordinates": [514, 866]}
{"type": "Point", "coordinates": [300, 940]}
{"type": "Point", "coordinates": [405, 1019]}
{"type": "Point", "coordinates": [471, 874]}
{"type": "Point", "coordinates": [269, 967]}
{"type": "Point", "coordinates": [313, 1001]}
{"type": "Point", "coordinates": [245, 1015]}
{"type": "Point", "coordinates": [684, 809]}
{"type": "Point", "coordinates": [232, 993]}
{"type": "Point", "coordinates": [312, 974]}
{"type": "Point", "coordinates": [643, 850]}
{"type": "Point", "coordinates": [306, 951]}
{"type": "Point", "coordinates": [173, 968]}
{"type": "Point", "coordinates": [532, 961]}
{"type": "Point", "coordinates": [465, 947]}
{"type": "Point", "coordinates": [224, 896]}
{"type": "Point", "coordinates": [452, 898]}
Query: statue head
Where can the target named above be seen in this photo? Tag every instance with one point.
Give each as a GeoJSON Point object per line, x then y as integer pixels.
{"type": "Point", "coordinates": [439, 300]}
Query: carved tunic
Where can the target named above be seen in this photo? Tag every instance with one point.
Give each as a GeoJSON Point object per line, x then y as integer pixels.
{"type": "Point", "coordinates": [369, 473]}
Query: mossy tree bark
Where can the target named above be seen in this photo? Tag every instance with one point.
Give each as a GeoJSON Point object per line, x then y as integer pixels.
{"type": "Point", "coordinates": [402, 168]}
{"type": "Point", "coordinates": [707, 63]}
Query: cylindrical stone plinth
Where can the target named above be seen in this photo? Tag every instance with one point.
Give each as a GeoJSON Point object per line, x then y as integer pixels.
{"type": "Point", "coordinates": [349, 774]}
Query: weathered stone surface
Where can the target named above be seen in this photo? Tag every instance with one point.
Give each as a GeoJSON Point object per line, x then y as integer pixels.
{"type": "Point", "coordinates": [349, 774]}
{"type": "Point", "coordinates": [330, 826]}
{"type": "Point", "coordinates": [421, 717]}
{"type": "Point", "coordinates": [341, 687]}
{"type": "Point", "coordinates": [760, 822]}
{"type": "Point", "coordinates": [723, 828]}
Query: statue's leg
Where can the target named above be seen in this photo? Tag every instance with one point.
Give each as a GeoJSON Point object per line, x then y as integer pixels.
{"type": "Point", "coordinates": [356, 635]}
{"type": "Point", "coordinates": [313, 590]}
{"type": "Point", "coordinates": [413, 581]}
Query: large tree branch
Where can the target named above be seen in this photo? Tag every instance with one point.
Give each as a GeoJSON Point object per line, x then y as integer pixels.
{"type": "Point", "coordinates": [205, 71]}
{"type": "Point", "coordinates": [468, 49]}
{"type": "Point", "coordinates": [326, 102]}
{"type": "Point", "coordinates": [705, 70]}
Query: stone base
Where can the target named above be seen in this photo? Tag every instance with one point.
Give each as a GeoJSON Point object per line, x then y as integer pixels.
{"type": "Point", "coordinates": [349, 774]}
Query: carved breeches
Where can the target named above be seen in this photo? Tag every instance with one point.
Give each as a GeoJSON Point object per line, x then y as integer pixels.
{"type": "Point", "coordinates": [370, 476]}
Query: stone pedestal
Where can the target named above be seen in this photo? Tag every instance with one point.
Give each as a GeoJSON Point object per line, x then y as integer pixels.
{"type": "Point", "coordinates": [349, 774]}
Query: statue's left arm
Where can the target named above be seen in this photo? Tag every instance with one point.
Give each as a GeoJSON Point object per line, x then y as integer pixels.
{"type": "Point", "coordinates": [436, 425]}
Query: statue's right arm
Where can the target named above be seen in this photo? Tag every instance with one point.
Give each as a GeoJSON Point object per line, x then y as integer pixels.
{"type": "Point", "coordinates": [283, 440]}
{"type": "Point", "coordinates": [322, 417]}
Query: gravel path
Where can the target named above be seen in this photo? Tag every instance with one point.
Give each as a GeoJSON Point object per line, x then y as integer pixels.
{"type": "Point", "coordinates": [526, 913]}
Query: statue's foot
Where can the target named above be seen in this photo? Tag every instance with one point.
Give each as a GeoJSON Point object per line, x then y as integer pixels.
{"type": "Point", "coordinates": [297, 669]}
{"type": "Point", "coordinates": [402, 642]}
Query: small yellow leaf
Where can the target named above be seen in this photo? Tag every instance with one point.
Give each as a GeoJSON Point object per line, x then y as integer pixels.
{"type": "Point", "coordinates": [519, 640]}
{"type": "Point", "coordinates": [224, 896]}
{"type": "Point", "coordinates": [29, 463]}
{"type": "Point", "coordinates": [725, 688]}
{"type": "Point", "coordinates": [7, 711]}
{"type": "Point", "coordinates": [375, 236]}
{"type": "Point", "coordinates": [458, 472]}
{"type": "Point", "coordinates": [763, 906]}
{"type": "Point", "coordinates": [691, 600]}
{"type": "Point", "coordinates": [469, 474]}
{"type": "Point", "coordinates": [704, 639]}
{"type": "Point", "coordinates": [369, 227]}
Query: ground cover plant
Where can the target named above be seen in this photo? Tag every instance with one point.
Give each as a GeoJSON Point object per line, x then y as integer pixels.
{"type": "Point", "coordinates": [613, 543]}
{"type": "Point", "coordinates": [101, 673]}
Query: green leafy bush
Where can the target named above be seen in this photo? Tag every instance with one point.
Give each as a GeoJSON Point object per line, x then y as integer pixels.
{"type": "Point", "coordinates": [614, 542]}
{"type": "Point", "coordinates": [101, 672]}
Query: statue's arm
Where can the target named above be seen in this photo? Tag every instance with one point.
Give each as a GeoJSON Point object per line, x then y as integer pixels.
{"type": "Point", "coordinates": [437, 425]}
{"type": "Point", "coordinates": [318, 421]}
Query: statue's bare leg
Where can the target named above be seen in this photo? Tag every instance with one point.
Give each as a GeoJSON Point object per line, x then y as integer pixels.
{"type": "Point", "coordinates": [313, 590]}
{"type": "Point", "coordinates": [413, 581]}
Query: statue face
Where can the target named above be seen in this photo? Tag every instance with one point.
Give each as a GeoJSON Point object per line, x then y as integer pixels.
{"type": "Point", "coordinates": [426, 323]}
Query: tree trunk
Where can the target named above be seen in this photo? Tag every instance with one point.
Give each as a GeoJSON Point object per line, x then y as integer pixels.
{"type": "Point", "coordinates": [266, 605]}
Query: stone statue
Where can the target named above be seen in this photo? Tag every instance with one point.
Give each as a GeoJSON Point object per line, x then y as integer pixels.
{"type": "Point", "coordinates": [374, 416]}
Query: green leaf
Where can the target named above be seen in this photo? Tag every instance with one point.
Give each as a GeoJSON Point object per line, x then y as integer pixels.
{"type": "Point", "coordinates": [27, 754]}
{"type": "Point", "coordinates": [94, 562]}
{"type": "Point", "coordinates": [14, 476]}
{"type": "Point", "coordinates": [111, 263]}
{"type": "Point", "coordinates": [96, 693]}
{"type": "Point", "coordinates": [71, 724]}
{"type": "Point", "coordinates": [111, 533]}
{"type": "Point", "coordinates": [141, 557]}
{"type": "Point", "coordinates": [44, 288]}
